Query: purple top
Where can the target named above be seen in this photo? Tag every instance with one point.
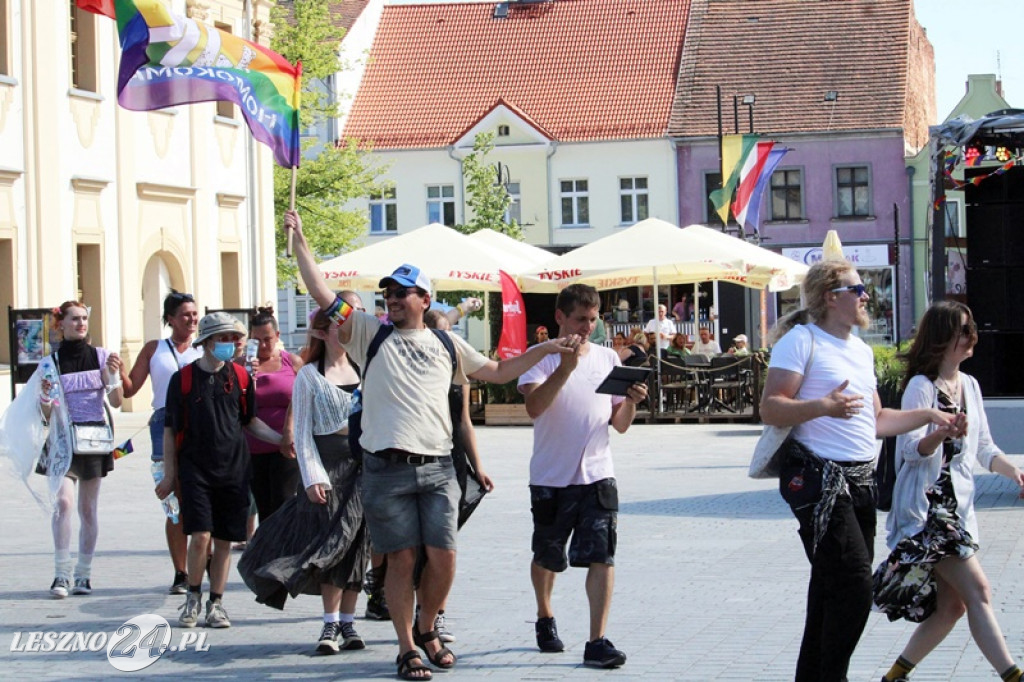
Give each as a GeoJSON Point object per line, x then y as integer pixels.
{"type": "Point", "coordinates": [273, 395]}
{"type": "Point", "coordinates": [84, 391]}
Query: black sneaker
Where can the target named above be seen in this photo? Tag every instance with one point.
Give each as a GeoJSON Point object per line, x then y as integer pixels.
{"type": "Point", "coordinates": [328, 642]}
{"type": "Point", "coordinates": [350, 639]}
{"type": "Point", "coordinates": [547, 636]}
{"type": "Point", "coordinates": [377, 607]}
{"type": "Point", "coordinates": [82, 586]}
{"type": "Point", "coordinates": [60, 587]}
{"type": "Point", "coordinates": [602, 654]}
{"type": "Point", "coordinates": [180, 583]}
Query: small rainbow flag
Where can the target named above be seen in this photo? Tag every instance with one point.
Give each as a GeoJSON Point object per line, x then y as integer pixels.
{"type": "Point", "coordinates": [125, 448]}
{"type": "Point", "coordinates": [169, 60]}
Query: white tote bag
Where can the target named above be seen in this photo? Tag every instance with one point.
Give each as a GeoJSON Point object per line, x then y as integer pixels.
{"type": "Point", "coordinates": [764, 463]}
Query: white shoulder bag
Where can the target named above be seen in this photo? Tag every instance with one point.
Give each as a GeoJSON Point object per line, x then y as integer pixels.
{"type": "Point", "coordinates": [764, 463]}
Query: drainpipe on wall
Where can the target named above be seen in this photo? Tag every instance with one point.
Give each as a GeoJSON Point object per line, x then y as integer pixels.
{"type": "Point", "coordinates": [462, 185]}
{"type": "Point", "coordinates": [551, 207]}
{"type": "Point", "coordinates": [913, 231]}
{"type": "Point", "coordinates": [250, 162]}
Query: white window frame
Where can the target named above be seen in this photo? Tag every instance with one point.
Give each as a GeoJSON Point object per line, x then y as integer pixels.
{"type": "Point", "coordinates": [381, 202]}
{"type": "Point", "coordinates": [633, 194]}
{"type": "Point", "coordinates": [579, 197]}
{"type": "Point", "coordinates": [439, 202]}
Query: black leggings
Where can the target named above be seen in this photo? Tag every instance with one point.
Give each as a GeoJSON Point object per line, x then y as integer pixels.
{"type": "Point", "coordinates": [275, 478]}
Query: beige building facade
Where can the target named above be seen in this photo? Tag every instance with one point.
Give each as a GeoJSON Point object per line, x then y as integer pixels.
{"type": "Point", "coordinates": [115, 207]}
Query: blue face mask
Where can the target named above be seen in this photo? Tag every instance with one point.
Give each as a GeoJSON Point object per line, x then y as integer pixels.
{"type": "Point", "coordinates": [224, 351]}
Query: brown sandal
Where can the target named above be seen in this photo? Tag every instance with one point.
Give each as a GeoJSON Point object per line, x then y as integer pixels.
{"type": "Point", "coordinates": [422, 639]}
{"type": "Point", "coordinates": [407, 669]}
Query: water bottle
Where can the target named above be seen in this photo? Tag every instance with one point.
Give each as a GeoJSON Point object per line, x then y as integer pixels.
{"type": "Point", "coordinates": [252, 350]}
{"type": "Point", "coordinates": [169, 503]}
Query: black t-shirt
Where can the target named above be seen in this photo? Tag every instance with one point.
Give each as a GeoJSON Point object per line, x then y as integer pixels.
{"type": "Point", "coordinates": [214, 447]}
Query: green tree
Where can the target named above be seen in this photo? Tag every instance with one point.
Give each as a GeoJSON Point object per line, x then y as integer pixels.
{"type": "Point", "coordinates": [488, 200]}
{"type": "Point", "coordinates": [336, 174]}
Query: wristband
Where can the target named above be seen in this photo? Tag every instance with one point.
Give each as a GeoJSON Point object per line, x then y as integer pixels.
{"type": "Point", "coordinates": [339, 311]}
{"type": "Point", "coordinates": [113, 387]}
{"type": "Point", "coordinates": [462, 313]}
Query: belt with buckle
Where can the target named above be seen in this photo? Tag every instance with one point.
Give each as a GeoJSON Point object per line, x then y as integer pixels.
{"type": "Point", "coordinates": [403, 457]}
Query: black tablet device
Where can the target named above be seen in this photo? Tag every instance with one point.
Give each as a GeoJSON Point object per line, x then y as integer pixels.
{"type": "Point", "coordinates": [621, 378]}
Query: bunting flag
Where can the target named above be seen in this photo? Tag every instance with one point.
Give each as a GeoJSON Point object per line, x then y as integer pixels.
{"type": "Point", "coordinates": [513, 319]}
{"type": "Point", "coordinates": [750, 173]}
{"type": "Point", "coordinates": [752, 214]}
{"type": "Point", "coordinates": [104, 7]}
{"type": "Point", "coordinates": [735, 149]}
{"type": "Point", "coordinates": [169, 60]}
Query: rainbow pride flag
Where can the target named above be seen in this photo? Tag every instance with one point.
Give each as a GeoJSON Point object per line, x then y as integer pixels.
{"type": "Point", "coordinates": [169, 60]}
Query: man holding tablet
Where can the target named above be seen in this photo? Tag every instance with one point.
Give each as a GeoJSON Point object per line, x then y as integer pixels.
{"type": "Point", "coordinates": [572, 484]}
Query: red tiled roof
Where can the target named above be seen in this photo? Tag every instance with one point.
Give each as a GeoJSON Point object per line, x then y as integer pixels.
{"type": "Point", "coordinates": [789, 53]}
{"type": "Point", "coordinates": [579, 69]}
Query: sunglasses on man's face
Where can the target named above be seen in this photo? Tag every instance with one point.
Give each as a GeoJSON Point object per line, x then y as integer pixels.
{"type": "Point", "coordinates": [858, 289]}
{"type": "Point", "coordinates": [399, 292]}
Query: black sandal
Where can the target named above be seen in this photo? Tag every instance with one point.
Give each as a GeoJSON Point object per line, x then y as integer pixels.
{"type": "Point", "coordinates": [421, 641]}
{"type": "Point", "coordinates": [407, 669]}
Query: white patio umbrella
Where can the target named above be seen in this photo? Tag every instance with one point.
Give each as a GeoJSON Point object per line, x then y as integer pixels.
{"type": "Point", "coordinates": [529, 254]}
{"type": "Point", "coordinates": [450, 259]}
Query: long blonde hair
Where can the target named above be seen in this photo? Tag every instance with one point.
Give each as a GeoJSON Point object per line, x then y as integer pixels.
{"type": "Point", "coordinates": [823, 277]}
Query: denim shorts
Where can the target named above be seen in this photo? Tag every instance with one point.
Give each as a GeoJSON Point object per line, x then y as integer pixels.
{"type": "Point", "coordinates": [156, 434]}
{"type": "Point", "coordinates": [589, 513]}
{"type": "Point", "coordinates": [408, 506]}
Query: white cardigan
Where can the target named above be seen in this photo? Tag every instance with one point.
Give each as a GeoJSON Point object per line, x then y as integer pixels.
{"type": "Point", "coordinates": [916, 472]}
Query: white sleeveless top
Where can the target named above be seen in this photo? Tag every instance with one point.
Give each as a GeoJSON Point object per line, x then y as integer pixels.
{"type": "Point", "coordinates": [165, 362]}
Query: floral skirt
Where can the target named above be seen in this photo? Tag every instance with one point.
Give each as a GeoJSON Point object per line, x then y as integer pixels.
{"type": "Point", "coordinates": [303, 545]}
{"type": "Point", "coordinates": [904, 584]}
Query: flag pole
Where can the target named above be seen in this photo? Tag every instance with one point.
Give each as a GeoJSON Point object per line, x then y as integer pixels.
{"type": "Point", "coordinates": [291, 206]}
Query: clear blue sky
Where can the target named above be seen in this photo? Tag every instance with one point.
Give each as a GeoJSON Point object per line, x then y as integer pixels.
{"type": "Point", "coordinates": [967, 35]}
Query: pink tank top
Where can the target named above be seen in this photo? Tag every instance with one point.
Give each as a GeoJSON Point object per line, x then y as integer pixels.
{"type": "Point", "coordinates": [273, 396]}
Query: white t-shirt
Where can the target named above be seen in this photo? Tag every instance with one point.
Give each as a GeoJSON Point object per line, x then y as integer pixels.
{"type": "Point", "coordinates": [570, 438]}
{"type": "Point", "coordinates": [660, 327]}
{"type": "Point", "coordinates": [709, 348]}
{"type": "Point", "coordinates": [405, 391]}
{"type": "Point", "coordinates": [834, 361]}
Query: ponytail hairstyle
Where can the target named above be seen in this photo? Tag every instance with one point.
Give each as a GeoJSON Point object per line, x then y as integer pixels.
{"type": "Point", "coordinates": [822, 278]}
{"type": "Point", "coordinates": [172, 302]}
{"type": "Point", "coordinates": [941, 325]}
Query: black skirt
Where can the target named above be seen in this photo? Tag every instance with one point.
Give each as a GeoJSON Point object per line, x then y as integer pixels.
{"type": "Point", "coordinates": [303, 545]}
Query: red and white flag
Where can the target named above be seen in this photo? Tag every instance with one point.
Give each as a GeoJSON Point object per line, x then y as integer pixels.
{"type": "Point", "coordinates": [513, 319]}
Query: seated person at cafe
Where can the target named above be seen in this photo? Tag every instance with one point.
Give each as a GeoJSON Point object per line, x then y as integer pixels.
{"type": "Point", "coordinates": [635, 354]}
{"type": "Point", "coordinates": [619, 341]}
{"type": "Point", "coordinates": [677, 350]}
{"type": "Point", "coordinates": [705, 345]}
{"type": "Point", "coordinates": [740, 347]}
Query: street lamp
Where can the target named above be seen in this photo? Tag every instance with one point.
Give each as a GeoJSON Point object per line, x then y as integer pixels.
{"type": "Point", "coordinates": [749, 101]}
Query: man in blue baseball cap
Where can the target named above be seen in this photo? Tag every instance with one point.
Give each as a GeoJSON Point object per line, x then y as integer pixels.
{"type": "Point", "coordinates": [410, 493]}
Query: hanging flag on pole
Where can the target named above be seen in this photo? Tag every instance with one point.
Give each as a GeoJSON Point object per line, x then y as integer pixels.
{"type": "Point", "coordinates": [749, 175]}
{"type": "Point", "coordinates": [735, 149]}
{"type": "Point", "coordinates": [513, 319]}
{"type": "Point", "coordinates": [104, 7]}
{"type": "Point", "coordinates": [169, 60]}
{"type": "Point", "coordinates": [752, 212]}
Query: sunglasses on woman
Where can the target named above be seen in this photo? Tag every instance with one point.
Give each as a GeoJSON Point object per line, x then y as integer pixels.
{"type": "Point", "coordinates": [858, 289]}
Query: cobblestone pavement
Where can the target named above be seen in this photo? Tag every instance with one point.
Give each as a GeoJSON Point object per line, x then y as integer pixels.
{"type": "Point", "coordinates": [710, 580]}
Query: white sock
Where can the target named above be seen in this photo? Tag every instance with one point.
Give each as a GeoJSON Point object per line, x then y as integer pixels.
{"type": "Point", "coordinates": [84, 568]}
{"type": "Point", "coordinates": [62, 563]}
{"type": "Point", "coordinates": [331, 617]}
{"type": "Point", "coordinates": [346, 617]}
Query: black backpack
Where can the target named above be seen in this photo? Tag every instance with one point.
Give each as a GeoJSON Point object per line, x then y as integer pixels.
{"type": "Point", "coordinates": [355, 419]}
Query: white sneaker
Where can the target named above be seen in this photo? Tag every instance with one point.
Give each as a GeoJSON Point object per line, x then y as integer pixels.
{"type": "Point", "coordinates": [189, 617]}
{"type": "Point", "coordinates": [216, 616]}
{"type": "Point", "coordinates": [443, 633]}
{"type": "Point", "coordinates": [59, 587]}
